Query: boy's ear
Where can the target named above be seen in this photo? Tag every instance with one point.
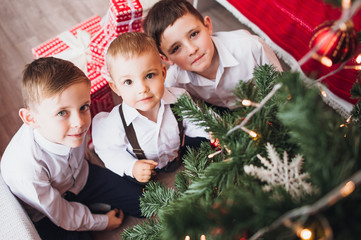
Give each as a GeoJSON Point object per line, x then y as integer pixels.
{"type": "Point", "coordinates": [166, 60]}
{"type": "Point", "coordinates": [27, 116]}
{"type": "Point", "coordinates": [208, 23]}
{"type": "Point", "coordinates": [164, 72]}
{"type": "Point", "coordinates": [113, 86]}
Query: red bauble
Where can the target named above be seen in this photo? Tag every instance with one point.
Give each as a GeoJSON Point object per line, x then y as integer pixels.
{"type": "Point", "coordinates": [338, 46]}
{"type": "Point", "coordinates": [215, 144]}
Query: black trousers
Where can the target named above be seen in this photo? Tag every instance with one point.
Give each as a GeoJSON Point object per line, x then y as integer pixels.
{"type": "Point", "coordinates": [102, 186]}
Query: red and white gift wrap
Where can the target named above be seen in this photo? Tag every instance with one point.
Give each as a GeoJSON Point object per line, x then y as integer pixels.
{"type": "Point", "coordinates": [86, 43]}
{"type": "Point", "coordinates": [101, 94]}
{"type": "Point", "coordinates": [122, 16]}
{"type": "Point", "coordinates": [57, 45]}
{"type": "Point", "coordinates": [73, 45]}
{"type": "Point", "coordinates": [125, 16]}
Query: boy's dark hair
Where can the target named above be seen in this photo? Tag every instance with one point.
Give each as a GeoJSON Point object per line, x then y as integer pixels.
{"type": "Point", "coordinates": [163, 14]}
{"type": "Point", "coordinates": [45, 77]}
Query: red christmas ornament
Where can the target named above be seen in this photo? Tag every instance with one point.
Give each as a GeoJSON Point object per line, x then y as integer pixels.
{"type": "Point", "coordinates": [215, 144]}
{"type": "Point", "coordinates": [337, 46]}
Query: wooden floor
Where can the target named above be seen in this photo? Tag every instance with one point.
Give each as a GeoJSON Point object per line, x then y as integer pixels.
{"type": "Point", "coordinates": [25, 24]}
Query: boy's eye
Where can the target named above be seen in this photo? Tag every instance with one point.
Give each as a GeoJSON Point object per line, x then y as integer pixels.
{"type": "Point", "coordinates": [149, 75]}
{"type": "Point", "coordinates": [193, 34]}
{"type": "Point", "coordinates": [85, 107]}
{"type": "Point", "coordinates": [127, 82]}
{"type": "Point", "coordinates": [175, 49]}
{"type": "Point", "coordinates": [62, 113]}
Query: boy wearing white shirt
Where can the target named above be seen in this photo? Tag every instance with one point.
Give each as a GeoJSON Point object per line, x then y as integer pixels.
{"type": "Point", "coordinates": [44, 164]}
{"type": "Point", "coordinates": [209, 66]}
{"type": "Point", "coordinates": [137, 75]}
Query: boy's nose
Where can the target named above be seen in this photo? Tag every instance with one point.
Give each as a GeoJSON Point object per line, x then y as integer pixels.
{"type": "Point", "coordinates": [192, 48]}
{"type": "Point", "coordinates": [77, 120]}
{"type": "Point", "coordinates": [142, 87]}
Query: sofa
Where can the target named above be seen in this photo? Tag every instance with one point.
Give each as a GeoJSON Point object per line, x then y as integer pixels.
{"type": "Point", "coordinates": [15, 224]}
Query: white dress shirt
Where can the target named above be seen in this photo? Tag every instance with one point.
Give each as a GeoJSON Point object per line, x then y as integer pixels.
{"type": "Point", "coordinates": [239, 53]}
{"type": "Point", "coordinates": [39, 173]}
{"type": "Point", "coordinates": [159, 140]}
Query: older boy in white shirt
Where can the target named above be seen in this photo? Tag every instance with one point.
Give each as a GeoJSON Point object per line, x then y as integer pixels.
{"type": "Point", "coordinates": [208, 66]}
{"type": "Point", "coordinates": [137, 75]}
{"type": "Point", "coordinates": [44, 164]}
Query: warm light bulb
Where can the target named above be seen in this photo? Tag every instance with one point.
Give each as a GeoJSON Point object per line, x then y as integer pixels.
{"type": "Point", "coordinates": [358, 59]}
{"type": "Point", "coordinates": [214, 154]}
{"type": "Point", "coordinates": [324, 94]}
{"type": "Point", "coordinates": [355, 67]}
{"type": "Point", "coordinates": [305, 234]}
{"type": "Point", "coordinates": [246, 102]}
{"type": "Point", "coordinates": [326, 61]}
{"type": "Point", "coordinates": [347, 189]}
{"type": "Point", "coordinates": [203, 237]}
{"type": "Point", "coordinates": [187, 238]}
{"type": "Point", "coordinates": [348, 120]}
{"type": "Point", "coordinates": [252, 134]}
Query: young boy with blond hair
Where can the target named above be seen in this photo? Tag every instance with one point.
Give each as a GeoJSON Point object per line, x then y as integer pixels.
{"type": "Point", "coordinates": [44, 164]}
{"type": "Point", "coordinates": [209, 66]}
{"type": "Point", "coordinates": [142, 134]}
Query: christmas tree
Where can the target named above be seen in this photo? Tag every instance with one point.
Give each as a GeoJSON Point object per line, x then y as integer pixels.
{"type": "Point", "coordinates": [286, 178]}
{"type": "Point", "coordinates": [287, 166]}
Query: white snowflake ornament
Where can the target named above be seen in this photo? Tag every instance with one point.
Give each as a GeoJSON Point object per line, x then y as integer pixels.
{"type": "Point", "coordinates": [281, 172]}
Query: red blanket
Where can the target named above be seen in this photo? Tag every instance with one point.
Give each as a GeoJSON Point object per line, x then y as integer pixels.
{"type": "Point", "coordinates": [289, 24]}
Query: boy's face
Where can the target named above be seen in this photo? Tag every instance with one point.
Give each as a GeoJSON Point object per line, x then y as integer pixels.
{"type": "Point", "coordinates": [64, 118]}
{"type": "Point", "coordinates": [139, 80]}
{"type": "Point", "coordinates": [188, 44]}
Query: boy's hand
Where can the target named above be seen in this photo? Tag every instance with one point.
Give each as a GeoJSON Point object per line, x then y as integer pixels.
{"type": "Point", "coordinates": [115, 217]}
{"type": "Point", "coordinates": [142, 170]}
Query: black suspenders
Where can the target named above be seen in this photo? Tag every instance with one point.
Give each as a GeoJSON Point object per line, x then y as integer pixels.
{"type": "Point", "coordinates": [129, 131]}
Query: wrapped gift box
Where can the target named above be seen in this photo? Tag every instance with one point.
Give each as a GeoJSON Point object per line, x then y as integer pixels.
{"type": "Point", "coordinates": [125, 15]}
{"type": "Point", "coordinates": [122, 16]}
{"type": "Point", "coordinates": [56, 45]}
{"type": "Point", "coordinates": [86, 43]}
{"type": "Point", "coordinates": [100, 91]}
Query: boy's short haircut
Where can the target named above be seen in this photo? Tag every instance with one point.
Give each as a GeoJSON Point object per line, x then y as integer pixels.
{"type": "Point", "coordinates": [130, 44]}
{"type": "Point", "coordinates": [45, 77]}
{"type": "Point", "coordinates": [163, 14]}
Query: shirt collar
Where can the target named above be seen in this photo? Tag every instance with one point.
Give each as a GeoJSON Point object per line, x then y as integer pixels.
{"type": "Point", "coordinates": [168, 97]}
{"type": "Point", "coordinates": [49, 146]}
{"type": "Point", "coordinates": [129, 113]}
{"type": "Point", "coordinates": [226, 58]}
{"type": "Point", "coordinates": [132, 113]}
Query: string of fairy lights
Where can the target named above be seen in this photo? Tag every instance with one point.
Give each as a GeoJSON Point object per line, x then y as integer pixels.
{"type": "Point", "coordinates": [342, 25]}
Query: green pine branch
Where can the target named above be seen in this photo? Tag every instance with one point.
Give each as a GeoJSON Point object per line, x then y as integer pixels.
{"type": "Point", "coordinates": [356, 88]}
{"type": "Point", "coordinates": [356, 93]}
{"type": "Point", "coordinates": [148, 230]}
{"type": "Point", "coordinates": [155, 197]}
{"type": "Point", "coordinates": [315, 127]}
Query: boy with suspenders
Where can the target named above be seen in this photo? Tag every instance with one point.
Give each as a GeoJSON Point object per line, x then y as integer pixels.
{"type": "Point", "coordinates": [142, 134]}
